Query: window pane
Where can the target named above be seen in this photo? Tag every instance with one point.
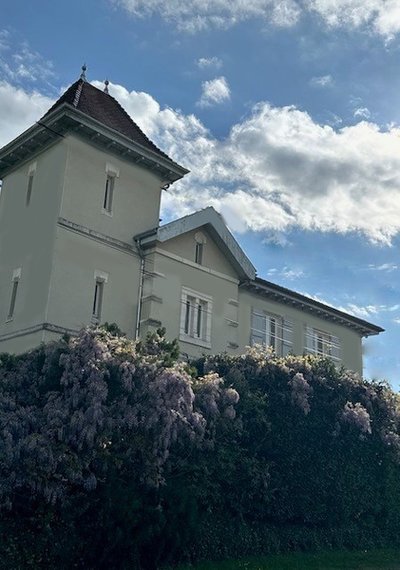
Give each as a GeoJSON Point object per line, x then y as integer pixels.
{"type": "Point", "coordinates": [187, 316]}
{"type": "Point", "coordinates": [199, 253]}
{"type": "Point", "coordinates": [258, 322]}
{"type": "Point", "coordinates": [108, 194]}
{"type": "Point", "coordinates": [29, 190]}
{"type": "Point", "coordinates": [97, 300]}
{"type": "Point", "coordinates": [13, 299]}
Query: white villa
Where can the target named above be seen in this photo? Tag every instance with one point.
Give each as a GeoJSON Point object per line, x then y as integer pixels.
{"type": "Point", "coordinates": [80, 243]}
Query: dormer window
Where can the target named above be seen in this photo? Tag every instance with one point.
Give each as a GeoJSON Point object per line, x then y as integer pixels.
{"type": "Point", "coordinates": [111, 174]}
{"type": "Point", "coordinates": [200, 241]}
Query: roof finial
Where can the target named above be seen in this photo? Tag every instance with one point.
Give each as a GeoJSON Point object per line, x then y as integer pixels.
{"type": "Point", "coordinates": [83, 74]}
{"type": "Point", "coordinates": [106, 84]}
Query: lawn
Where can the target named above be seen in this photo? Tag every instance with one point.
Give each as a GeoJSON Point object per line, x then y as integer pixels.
{"type": "Point", "coordinates": [371, 560]}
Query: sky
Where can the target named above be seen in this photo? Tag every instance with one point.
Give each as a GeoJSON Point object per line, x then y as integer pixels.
{"type": "Point", "coordinates": [286, 112]}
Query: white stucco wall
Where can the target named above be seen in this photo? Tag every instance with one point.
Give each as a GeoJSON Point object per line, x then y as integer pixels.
{"type": "Point", "coordinates": [136, 199]}
{"type": "Point", "coordinates": [27, 236]}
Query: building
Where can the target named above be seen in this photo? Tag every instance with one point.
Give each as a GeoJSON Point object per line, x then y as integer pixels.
{"type": "Point", "coordinates": [80, 243]}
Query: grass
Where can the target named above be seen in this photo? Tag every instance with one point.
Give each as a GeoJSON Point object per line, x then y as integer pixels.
{"type": "Point", "coordinates": [369, 560]}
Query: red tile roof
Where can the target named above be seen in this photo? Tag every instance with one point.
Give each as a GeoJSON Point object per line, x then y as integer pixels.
{"type": "Point", "coordinates": [105, 109]}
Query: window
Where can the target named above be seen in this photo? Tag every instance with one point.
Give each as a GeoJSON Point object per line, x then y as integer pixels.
{"type": "Point", "coordinates": [196, 314]}
{"type": "Point", "coordinates": [14, 288]}
{"type": "Point", "coordinates": [108, 194]}
{"type": "Point", "coordinates": [199, 253]}
{"type": "Point", "coordinates": [111, 174]}
{"type": "Point", "coordinates": [200, 241]}
{"type": "Point", "coordinates": [31, 175]}
{"type": "Point", "coordinates": [271, 330]}
{"type": "Point", "coordinates": [100, 279]}
{"type": "Point", "coordinates": [322, 343]}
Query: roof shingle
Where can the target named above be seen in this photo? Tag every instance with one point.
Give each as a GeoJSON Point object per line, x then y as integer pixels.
{"type": "Point", "coordinates": [104, 108]}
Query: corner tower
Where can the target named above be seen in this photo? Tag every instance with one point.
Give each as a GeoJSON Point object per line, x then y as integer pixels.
{"type": "Point", "coordinates": [77, 186]}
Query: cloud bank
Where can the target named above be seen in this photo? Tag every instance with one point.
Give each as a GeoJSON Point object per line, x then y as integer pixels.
{"type": "Point", "coordinates": [380, 17]}
{"type": "Point", "coordinates": [276, 170]}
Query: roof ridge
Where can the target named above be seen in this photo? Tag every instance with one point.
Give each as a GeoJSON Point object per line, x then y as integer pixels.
{"type": "Point", "coordinates": [78, 93]}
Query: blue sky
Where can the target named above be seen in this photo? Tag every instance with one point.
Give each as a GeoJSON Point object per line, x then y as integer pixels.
{"type": "Point", "coordinates": [286, 112]}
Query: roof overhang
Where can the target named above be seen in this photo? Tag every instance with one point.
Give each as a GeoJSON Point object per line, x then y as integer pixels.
{"type": "Point", "coordinates": [282, 295]}
{"type": "Point", "coordinates": [65, 119]}
{"type": "Point", "coordinates": [215, 225]}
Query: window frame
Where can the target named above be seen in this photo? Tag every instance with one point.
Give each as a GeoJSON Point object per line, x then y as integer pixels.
{"type": "Point", "coordinates": [276, 335]}
{"type": "Point", "coordinates": [14, 292]}
{"type": "Point", "coordinates": [196, 318]}
{"type": "Point", "coordinates": [112, 173]}
{"type": "Point", "coordinates": [100, 279]}
{"type": "Point", "coordinates": [322, 344]}
{"type": "Point", "coordinates": [29, 189]}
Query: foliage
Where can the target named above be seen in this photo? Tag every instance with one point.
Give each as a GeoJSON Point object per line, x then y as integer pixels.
{"type": "Point", "coordinates": [115, 455]}
{"type": "Point", "coordinates": [88, 425]}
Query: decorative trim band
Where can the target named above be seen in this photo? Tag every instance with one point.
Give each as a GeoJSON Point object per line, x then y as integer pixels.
{"type": "Point", "coordinates": [195, 265]}
{"type": "Point", "coordinates": [97, 236]}
{"type": "Point", "coordinates": [37, 328]}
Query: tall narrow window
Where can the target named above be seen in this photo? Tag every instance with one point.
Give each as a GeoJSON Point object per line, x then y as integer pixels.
{"type": "Point", "coordinates": [31, 175]}
{"type": "Point", "coordinates": [199, 253]}
{"type": "Point", "coordinates": [29, 189]}
{"type": "Point", "coordinates": [109, 193]}
{"type": "Point", "coordinates": [100, 279]}
{"type": "Point", "coordinates": [200, 240]}
{"type": "Point", "coordinates": [97, 300]}
{"type": "Point", "coordinates": [14, 290]}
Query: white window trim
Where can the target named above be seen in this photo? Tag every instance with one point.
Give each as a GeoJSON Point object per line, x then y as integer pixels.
{"type": "Point", "coordinates": [113, 172]}
{"type": "Point", "coordinates": [16, 276]}
{"type": "Point", "coordinates": [278, 333]}
{"type": "Point", "coordinates": [329, 340]}
{"type": "Point", "coordinates": [99, 277]}
{"type": "Point", "coordinates": [203, 342]}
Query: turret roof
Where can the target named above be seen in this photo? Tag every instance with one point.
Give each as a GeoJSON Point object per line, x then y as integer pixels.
{"type": "Point", "coordinates": [104, 108]}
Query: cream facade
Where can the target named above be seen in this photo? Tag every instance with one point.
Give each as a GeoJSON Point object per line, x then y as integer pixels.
{"type": "Point", "coordinates": [80, 244]}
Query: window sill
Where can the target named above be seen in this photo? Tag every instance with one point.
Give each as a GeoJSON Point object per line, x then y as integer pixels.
{"type": "Point", "coordinates": [192, 340]}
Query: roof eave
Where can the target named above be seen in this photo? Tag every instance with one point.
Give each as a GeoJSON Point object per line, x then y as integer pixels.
{"type": "Point", "coordinates": [220, 233]}
{"type": "Point", "coordinates": [281, 294]}
{"type": "Point", "coordinates": [65, 119]}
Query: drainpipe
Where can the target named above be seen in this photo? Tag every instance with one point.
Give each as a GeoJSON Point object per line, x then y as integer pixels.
{"type": "Point", "coordinates": [140, 292]}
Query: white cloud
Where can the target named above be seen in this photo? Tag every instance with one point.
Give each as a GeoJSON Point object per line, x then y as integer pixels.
{"type": "Point", "coordinates": [214, 92]}
{"type": "Point", "coordinates": [207, 62]}
{"type": "Point", "coordinates": [388, 267]}
{"type": "Point", "coordinates": [20, 64]}
{"type": "Point", "coordinates": [322, 81]}
{"type": "Point", "coordinates": [278, 169]}
{"type": "Point", "coordinates": [196, 15]}
{"type": "Point", "coordinates": [275, 171]}
{"type": "Point", "coordinates": [362, 113]}
{"type": "Point", "coordinates": [285, 273]}
{"type": "Point", "coordinates": [380, 17]}
{"type": "Point", "coordinates": [19, 109]}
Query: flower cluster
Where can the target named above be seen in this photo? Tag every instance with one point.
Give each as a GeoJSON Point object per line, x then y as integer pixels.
{"type": "Point", "coordinates": [357, 415]}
